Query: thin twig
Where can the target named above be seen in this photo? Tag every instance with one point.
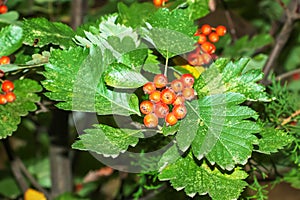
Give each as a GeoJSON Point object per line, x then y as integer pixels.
{"type": "Point", "coordinates": [287, 120]}
{"type": "Point", "coordinates": [287, 74]}
{"type": "Point", "coordinates": [230, 21]}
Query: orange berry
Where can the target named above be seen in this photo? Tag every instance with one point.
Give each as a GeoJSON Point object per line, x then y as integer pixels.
{"type": "Point", "coordinates": [188, 93]}
{"type": "Point", "coordinates": [179, 111]}
{"type": "Point", "coordinates": [213, 37]}
{"type": "Point", "coordinates": [150, 120]}
{"type": "Point", "coordinates": [206, 58]}
{"type": "Point", "coordinates": [160, 81]}
{"type": "Point", "coordinates": [3, 9]}
{"type": "Point", "coordinates": [202, 38]}
{"type": "Point", "coordinates": [179, 100]}
{"type": "Point", "coordinates": [4, 60]}
{"type": "Point", "coordinates": [187, 80]}
{"type": "Point", "coordinates": [7, 86]}
{"type": "Point", "coordinates": [168, 96]}
{"type": "Point", "coordinates": [171, 119]}
{"type": "Point", "coordinates": [161, 110]}
{"type": "Point", "coordinates": [155, 96]}
{"type": "Point", "coordinates": [146, 107]}
{"type": "Point", "coordinates": [3, 99]}
{"type": "Point", "coordinates": [159, 3]}
{"type": "Point", "coordinates": [177, 85]}
{"type": "Point", "coordinates": [206, 29]}
{"type": "Point", "coordinates": [221, 30]}
{"type": "Point", "coordinates": [208, 47]}
{"type": "Point", "coordinates": [149, 87]}
{"type": "Point", "coordinates": [10, 97]}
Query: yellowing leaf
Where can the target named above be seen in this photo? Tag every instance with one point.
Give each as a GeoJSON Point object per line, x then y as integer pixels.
{"type": "Point", "coordinates": [32, 194]}
{"type": "Point", "coordinates": [195, 71]}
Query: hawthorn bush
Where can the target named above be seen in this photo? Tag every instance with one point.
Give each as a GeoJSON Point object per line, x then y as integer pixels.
{"type": "Point", "coordinates": [169, 101]}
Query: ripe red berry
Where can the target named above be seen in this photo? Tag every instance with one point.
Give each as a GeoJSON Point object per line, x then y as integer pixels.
{"type": "Point", "coordinates": [171, 119]}
{"type": "Point", "coordinates": [146, 107]}
{"type": "Point", "coordinates": [179, 111]}
{"type": "Point", "coordinates": [149, 87]}
{"type": "Point", "coordinates": [213, 37]}
{"type": "Point", "coordinates": [2, 73]}
{"type": "Point", "coordinates": [160, 81]}
{"type": "Point", "coordinates": [168, 96]}
{"type": "Point", "coordinates": [10, 97]}
{"type": "Point", "coordinates": [206, 58]}
{"type": "Point", "coordinates": [155, 96]}
{"type": "Point", "coordinates": [187, 80]}
{"type": "Point", "coordinates": [193, 59]}
{"type": "Point", "coordinates": [4, 60]}
{"type": "Point", "coordinates": [161, 110]}
{"type": "Point", "coordinates": [208, 47]}
{"type": "Point", "coordinates": [177, 85]}
{"type": "Point", "coordinates": [188, 93]}
{"type": "Point", "coordinates": [150, 120]}
{"type": "Point", "coordinates": [179, 100]}
{"type": "Point", "coordinates": [7, 86]}
{"type": "Point", "coordinates": [159, 3]}
{"type": "Point", "coordinates": [221, 30]}
{"type": "Point", "coordinates": [202, 38]}
{"type": "Point", "coordinates": [206, 29]}
{"type": "Point", "coordinates": [2, 99]}
{"type": "Point", "coordinates": [3, 9]}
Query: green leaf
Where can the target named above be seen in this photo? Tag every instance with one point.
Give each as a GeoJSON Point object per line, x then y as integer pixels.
{"type": "Point", "coordinates": [136, 14]}
{"type": "Point", "coordinates": [107, 140]}
{"type": "Point", "coordinates": [272, 140]}
{"type": "Point", "coordinates": [220, 130]}
{"type": "Point", "coordinates": [186, 174]}
{"type": "Point", "coordinates": [9, 17]}
{"type": "Point", "coordinates": [171, 32]}
{"type": "Point", "coordinates": [74, 78]}
{"type": "Point", "coordinates": [224, 76]}
{"type": "Point", "coordinates": [121, 76]}
{"type": "Point", "coordinates": [197, 9]}
{"type": "Point", "coordinates": [47, 33]}
{"type": "Point", "coordinates": [293, 177]}
{"type": "Point", "coordinates": [10, 39]}
{"type": "Point", "coordinates": [11, 113]}
{"type": "Point", "coordinates": [9, 187]}
{"type": "Point", "coordinates": [152, 64]}
{"type": "Point", "coordinates": [246, 47]}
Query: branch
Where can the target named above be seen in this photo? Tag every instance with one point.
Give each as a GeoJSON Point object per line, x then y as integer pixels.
{"type": "Point", "coordinates": [291, 17]}
{"type": "Point", "coordinates": [230, 21]}
{"type": "Point", "coordinates": [287, 120]}
{"type": "Point", "coordinates": [286, 75]}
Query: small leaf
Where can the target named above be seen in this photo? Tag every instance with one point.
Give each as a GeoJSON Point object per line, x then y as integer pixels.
{"type": "Point", "coordinates": [11, 113]}
{"type": "Point", "coordinates": [9, 17]}
{"type": "Point", "coordinates": [47, 33]}
{"type": "Point", "coordinates": [151, 64]}
{"type": "Point", "coordinates": [197, 9]}
{"type": "Point", "coordinates": [121, 76]}
{"type": "Point", "coordinates": [272, 140]}
{"type": "Point", "coordinates": [10, 39]}
{"type": "Point", "coordinates": [186, 174]}
{"type": "Point", "coordinates": [107, 140]}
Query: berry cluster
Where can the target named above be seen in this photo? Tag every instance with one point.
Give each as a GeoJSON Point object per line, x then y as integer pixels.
{"type": "Point", "coordinates": [205, 50]}
{"type": "Point", "coordinates": [166, 100]}
{"type": "Point", "coordinates": [3, 9]}
{"type": "Point", "coordinates": [159, 3]}
{"type": "Point", "coordinates": [7, 95]}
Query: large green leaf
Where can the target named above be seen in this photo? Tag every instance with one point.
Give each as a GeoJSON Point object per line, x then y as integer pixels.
{"type": "Point", "coordinates": [10, 39]}
{"type": "Point", "coordinates": [171, 32]}
{"type": "Point", "coordinates": [121, 76]}
{"type": "Point", "coordinates": [220, 130]}
{"type": "Point", "coordinates": [272, 140]}
{"type": "Point", "coordinates": [11, 113]}
{"type": "Point", "coordinates": [224, 76]}
{"type": "Point", "coordinates": [197, 9]}
{"type": "Point", "coordinates": [195, 178]}
{"type": "Point", "coordinates": [74, 78]}
{"type": "Point", "coordinates": [107, 140]}
{"type": "Point", "coordinates": [47, 32]}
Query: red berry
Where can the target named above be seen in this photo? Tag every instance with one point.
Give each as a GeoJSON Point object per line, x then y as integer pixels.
{"type": "Point", "coordinates": [149, 87]}
{"type": "Point", "coordinates": [3, 9]}
{"type": "Point", "coordinates": [208, 47]}
{"type": "Point", "coordinates": [155, 96]}
{"type": "Point", "coordinates": [179, 111]}
{"type": "Point", "coordinates": [213, 37]}
{"type": "Point", "coordinates": [161, 110]}
{"type": "Point", "coordinates": [221, 30]}
{"type": "Point", "coordinates": [146, 107]}
{"type": "Point", "coordinates": [150, 120]}
{"type": "Point", "coordinates": [168, 96]}
{"type": "Point", "coordinates": [179, 100]}
{"type": "Point", "coordinates": [7, 86]}
{"type": "Point", "coordinates": [296, 76]}
{"type": "Point", "coordinates": [160, 81]}
{"type": "Point", "coordinates": [177, 85]}
{"type": "Point", "coordinates": [171, 119]}
{"type": "Point", "coordinates": [2, 99]}
{"type": "Point", "coordinates": [2, 73]}
{"type": "Point", "coordinates": [206, 29]}
{"type": "Point", "coordinates": [202, 38]}
{"type": "Point", "coordinates": [159, 3]}
{"type": "Point", "coordinates": [10, 97]}
{"type": "Point", "coordinates": [188, 93]}
{"type": "Point", "coordinates": [206, 58]}
{"type": "Point", "coordinates": [187, 80]}
{"type": "Point", "coordinates": [4, 60]}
